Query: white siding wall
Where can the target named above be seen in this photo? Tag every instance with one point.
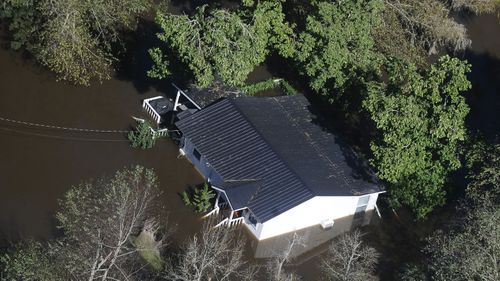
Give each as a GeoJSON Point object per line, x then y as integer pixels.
{"type": "Point", "coordinates": [201, 165]}
{"type": "Point", "coordinates": [310, 213]}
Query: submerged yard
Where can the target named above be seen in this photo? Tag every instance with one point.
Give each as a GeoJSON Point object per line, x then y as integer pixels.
{"type": "Point", "coordinates": [39, 164]}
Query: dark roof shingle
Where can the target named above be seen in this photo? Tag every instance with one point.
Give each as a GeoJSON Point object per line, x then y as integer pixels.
{"type": "Point", "coordinates": [277, 142]}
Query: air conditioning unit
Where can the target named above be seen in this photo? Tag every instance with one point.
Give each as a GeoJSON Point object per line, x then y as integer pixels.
{"type": "Point", "coordinates": [327, 224]}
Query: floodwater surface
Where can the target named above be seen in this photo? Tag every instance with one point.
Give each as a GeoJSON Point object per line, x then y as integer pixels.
{"type": "Point", "coordinates": [37, 165]}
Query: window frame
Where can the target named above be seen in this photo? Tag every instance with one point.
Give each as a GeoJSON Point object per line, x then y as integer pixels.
{"type": "Point", "coordinates": [196, 154]}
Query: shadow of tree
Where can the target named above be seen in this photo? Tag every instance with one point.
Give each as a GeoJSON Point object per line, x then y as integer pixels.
{"type": "Point", "coordinates": [484, 97]}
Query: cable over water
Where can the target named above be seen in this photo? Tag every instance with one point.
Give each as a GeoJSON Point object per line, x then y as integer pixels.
{"type": "Point", "coordinates": [60, 127]}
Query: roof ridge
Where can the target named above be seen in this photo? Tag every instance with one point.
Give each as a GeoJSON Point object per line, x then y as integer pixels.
{"type": "Point", "coordinates": [313, 143]}
{"type": "Point", "coordinates": [231, 100]}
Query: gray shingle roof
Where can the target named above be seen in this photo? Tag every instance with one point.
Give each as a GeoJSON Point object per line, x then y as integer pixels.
{"type": "Point", "coordinates": [279, 142]}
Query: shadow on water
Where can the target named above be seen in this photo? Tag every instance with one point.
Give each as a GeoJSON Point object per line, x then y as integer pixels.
{"type": "Point", "coordinates": [484, 55]}
{"type": "Point", "coordinates": [135, 62]}
{"type": "Point", "coordinates": [36, 171]}
{"type": "Point", "coordinates": [484, 98]}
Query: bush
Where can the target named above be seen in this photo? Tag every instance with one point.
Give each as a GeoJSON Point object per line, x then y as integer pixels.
{"type": "Point", "coordinates": [143, 136]}
{"type": "Point", "coordinates": [273, 83]}
{"type": "Point", "coordinates": [199, 197]}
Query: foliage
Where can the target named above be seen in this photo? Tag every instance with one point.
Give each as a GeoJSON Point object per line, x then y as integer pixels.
{"type": "Point", "coordinates": [28, 261]}
{"type": "Point", "coordinates": [421, 117]}
{"type": "Point", "coordinates": [287, 88]}
{"type": "Point", "coordinates": [337, 44]}
{"type": "Point", "coordinates": [143, 137]}
{"type": "Point", "coordinates": [477, 6]}
{"type": "Point", "coordinates": [484, 164]}
{"type": "Point", "coordinates": [413, 29]}
{"type": "Point", "coordinates": [72, 38]}
{"type": "Point", "coordinates": [23, 22]}
{"type": "Point", "coordinates": [412, 272]}
{"type": "Point", "coordinates": [200, 198]}
{"type": "Point", "coordinates": [99, 220]}
{"type": "Point", "coordinates": [269, 84]}
{"type": "Point", "coordinates": [349, 259]}
{"type": "Point", "coordinates": [470, 250]}
{"type": "Point", "coordinates": [221, 42]}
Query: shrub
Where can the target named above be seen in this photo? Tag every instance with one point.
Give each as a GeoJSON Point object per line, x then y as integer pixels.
{"type": "Point", "coordinates": [199, 197]}
{"type": "Point", "coordinates": [143, 136]}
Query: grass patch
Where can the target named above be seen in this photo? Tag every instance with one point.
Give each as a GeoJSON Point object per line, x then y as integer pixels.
{"type": "Point", "coordinates": [273, 83]}
{"type": "Point", "coordinates": [148, 249]}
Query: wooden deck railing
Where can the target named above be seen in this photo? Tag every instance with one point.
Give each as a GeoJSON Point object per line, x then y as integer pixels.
{"type": "Point", "coordinates": [149, 109]}
{"type": "Point", "coordinates": [230, 223]}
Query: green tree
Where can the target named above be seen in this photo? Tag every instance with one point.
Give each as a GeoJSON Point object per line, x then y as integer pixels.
{"type": "Point", "coordinates": [199, 197]}
{"type": "Point", "coordinates": [23, 21]}
{"type": "Point", "coordinates": [28, 261]}
{"type": "Point", "coordinates": [143, 136]}
{"type": "Point", "coordinates": [337, 45]}
{"type": "Point", "coordinates": [420, 116]}
{"type": "Point", "coordinates": [484, 164]}
{"type": "Point", "coordinates": [214, 42]}
{"type": "Point", "coordinates": [72, 38]}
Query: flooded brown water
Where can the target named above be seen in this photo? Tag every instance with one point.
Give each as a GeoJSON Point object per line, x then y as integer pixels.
{"type": "Point", "coordinates": [38, 165]}
{"type": "Point", "coordinates": [36, 170]}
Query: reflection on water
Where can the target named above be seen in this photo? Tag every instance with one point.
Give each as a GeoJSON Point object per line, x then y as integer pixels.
{"type": "Point", "coordinates": [313, 240]}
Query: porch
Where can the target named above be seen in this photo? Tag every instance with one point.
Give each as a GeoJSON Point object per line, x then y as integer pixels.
{"type": "Point", "coordinates": [228, 216]}
{"type": "Point", "coordinates": [158, 107]}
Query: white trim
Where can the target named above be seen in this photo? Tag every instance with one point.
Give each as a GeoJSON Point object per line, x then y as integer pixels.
{"type": "Point", "coordinates": [150, 109]}
{"type": "Point", "coordinates": [225, 195]}
{"type": "Point", "coordinates": [180, 92]}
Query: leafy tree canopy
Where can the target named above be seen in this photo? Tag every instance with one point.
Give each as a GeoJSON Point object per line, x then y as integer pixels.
{"type": "Point", "coordinates": [420, 115]}
{"type": "Point", "coordinates": [337, 44]}
{"type": "Point", "coordinates": [483, 161]}
{"type": "Point", "coordinates": [73, 38]}
{"type": "Point", "coordinates": [229, 44]}
{"type": "Point", "coordinates": [143, 136]}
{"type": "Point", "coordinates": [28, 261]}
{"type": "Point", "coordinates": [468, 250]}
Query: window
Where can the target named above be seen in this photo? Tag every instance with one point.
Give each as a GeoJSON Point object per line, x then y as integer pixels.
{"type": "Point", "coordinates": [197, 154]}
{"type": "Point", "coordinates": [251, 218]}
{"type": "Point", "coordinates": [361, 207]}
{"type": "Point", "coordinates": [363, 200]}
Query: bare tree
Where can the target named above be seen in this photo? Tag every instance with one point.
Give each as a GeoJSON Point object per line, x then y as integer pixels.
{"type": "Point", "coordinates": [411, 30]}
{"type": "Point", "coordinates": [275, 266]}
{"type": "Point", "coordinates": [216, 253]}
{"type": "Point", "coordinates": [470, 248]}
{"type": "Point", "coordinates": [101, 220]}
{"type": "Point", "coordinates": [427, 24]}
{"type": "Point", "coordinates": [476, 6]}
{"type": "Point", "coordinates": [349, 259]}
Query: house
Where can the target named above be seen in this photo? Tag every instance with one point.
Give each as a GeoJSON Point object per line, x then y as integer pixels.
{"type": "Point", "coordinates": [274, 166]}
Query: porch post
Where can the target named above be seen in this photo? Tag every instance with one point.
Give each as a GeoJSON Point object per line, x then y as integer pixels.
{"type": "Point", "coordinates": [176, 103]}
{"type": "Point", "coordinates": [217, 200]}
